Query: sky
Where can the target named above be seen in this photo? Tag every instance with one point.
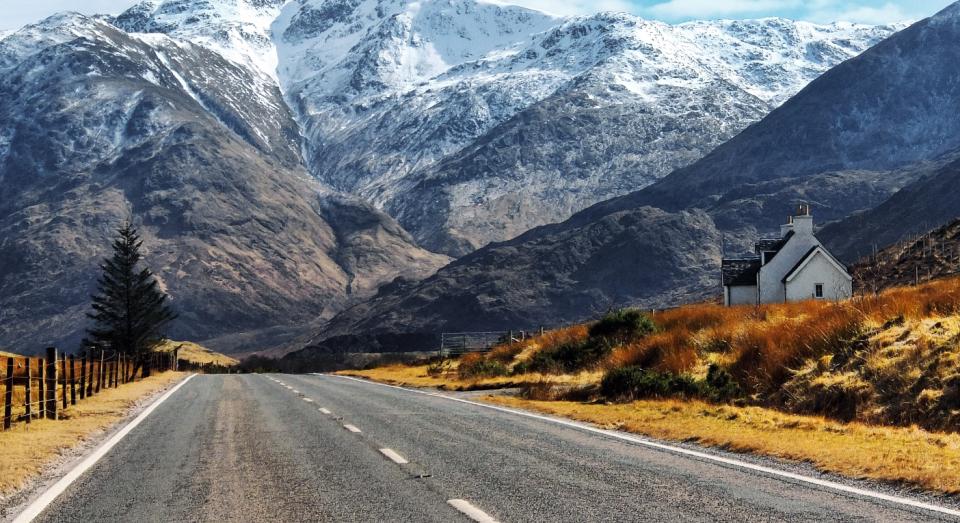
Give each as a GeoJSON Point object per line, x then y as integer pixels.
{"type": "Point", "coordinates": [16, 13]}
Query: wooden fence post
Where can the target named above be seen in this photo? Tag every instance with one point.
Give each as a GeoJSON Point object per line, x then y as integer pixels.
{"type": "Point", "coordinates": [63, 380]}
{"type": "Point", "coordinates": [8, 400]}
{"type": "Point", "coordinates": [28, 408]}
{"type": "Point", "coordinates": [83, 375]}
{"type": "Point", "coordinates": [90, 372]}
{"type": "Point", "coordinates": [73, 380]}
{"type": "Point", "coordinates": [99, 372]}
{"type": "Point", "coordinates": [51, 406]}
{"type": "Point", "coordinates": [42, 393]}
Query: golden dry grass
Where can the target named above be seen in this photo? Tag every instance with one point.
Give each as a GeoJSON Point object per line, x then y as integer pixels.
{"type": "Point", "coordinates": [418, 376]}
{"type": "Point", "coordinates": [908, 455]}
{"type": "Point", "coordinates": [28, 448]}
{"type": "Point", "coordinates": [198, 354]}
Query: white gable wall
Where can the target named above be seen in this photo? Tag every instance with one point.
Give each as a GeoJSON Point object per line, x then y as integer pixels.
{"type": "Point", "coordinates": [819, 269]}
{"type": "Point", "coordinates": [772, 274]}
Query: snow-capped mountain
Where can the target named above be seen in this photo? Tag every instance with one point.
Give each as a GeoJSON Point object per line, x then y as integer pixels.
{"type": "Point", "coordinates": [390, 95]}
{"type": "Point", "coordinates": [873, 145]}
{"type": "Point", "coordinates": [100, 126]}
{"type": "Point", "coordinates": [233, 130]}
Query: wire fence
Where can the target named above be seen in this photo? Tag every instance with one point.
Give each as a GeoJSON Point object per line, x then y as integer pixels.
{"type": "Point", "coordinates": [37, 388]}
{"type": "Point", "coordinates": [457, 343]}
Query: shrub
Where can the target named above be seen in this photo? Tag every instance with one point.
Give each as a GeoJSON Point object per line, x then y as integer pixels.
{"type": "Point", "coordinates": [720, 385]}
{"type": "Point", "coordinates": [567, 358]}
{"type": "Point", "coordinates": [481, 368]}
{"type": "Point", "coordinates": [439, 366]}
{"type": "Point", "coordinates": [622, 324]}
{"type": "Point", "coordinates": [633, 382]}
{"type": "Point", "coordinates": [505, 353]}
{"type": "Point", "coordinates": [626, 383]}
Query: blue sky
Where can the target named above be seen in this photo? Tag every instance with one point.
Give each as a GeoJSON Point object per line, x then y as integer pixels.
{"type": "Point", "coordinates": [19, 12]}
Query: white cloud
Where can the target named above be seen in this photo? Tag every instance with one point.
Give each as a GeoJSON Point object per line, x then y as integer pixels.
{"type": "Point", "coordinates": [689, 9]}
{"type": "Point", "coordinates": [831, 11]}
{"type": "Point", "coordinates": [17, 13]}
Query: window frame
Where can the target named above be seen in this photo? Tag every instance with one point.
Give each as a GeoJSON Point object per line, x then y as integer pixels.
{"type": "Point", "coordinates": [818, 291]}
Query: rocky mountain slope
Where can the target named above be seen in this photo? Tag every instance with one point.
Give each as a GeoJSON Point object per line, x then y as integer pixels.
{"type": "Point", "coordinates": [917, 208]}
{"type": "Point", "coordinates": [101, 126]}
{"type": "Point", "coordinates": [474, 122]}
{"type": "Point", "coordinates": [846, 143]}
{"type": "Point", "coordinates": [446, 113]}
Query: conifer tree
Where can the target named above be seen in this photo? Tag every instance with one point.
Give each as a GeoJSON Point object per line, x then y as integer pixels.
{"type": "Point", "coordinates": [129, 309]}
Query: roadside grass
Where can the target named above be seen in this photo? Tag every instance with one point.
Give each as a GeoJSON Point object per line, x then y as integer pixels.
{"type": "Point", "coordinates": [419, 376]}
{"type": "Point", "coordinates": [29, 448]}
{"type": "Point", "coordinates": [905, 455]}
{"type": "Point", "coordinates": [197, 353]}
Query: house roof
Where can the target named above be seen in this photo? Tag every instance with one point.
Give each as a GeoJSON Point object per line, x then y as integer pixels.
{"type": "Point", "coordinates": [738, 272]}
{"type": "Point", "coordinates": [772, 244]}
{"type": "Point", "coordinates": [809, 256]}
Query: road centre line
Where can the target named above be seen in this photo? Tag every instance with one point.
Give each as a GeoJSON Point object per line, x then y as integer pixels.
{"type": "Point", "coordinates": [471, 511]}
{"type": "Point", "coordinates": [394, 457]}
{"type": "Point", "coordinates": [637, 440]}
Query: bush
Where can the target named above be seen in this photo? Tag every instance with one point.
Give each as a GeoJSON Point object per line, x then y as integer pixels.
{"type": "Point", "coordinates": [720, 385]}
{"type": "Point", "coordinates": [626, 383]}
{"type": "Point", "coordinates": [622, 324]}
{"type": "Point", "coordinates": [567, 358]}
{"type": "Point", "coordinates": [482, 368]}
{"type": "Point", "coordinates": [439, 366]}
{"type": "Point", "coordinates": [633, 382]}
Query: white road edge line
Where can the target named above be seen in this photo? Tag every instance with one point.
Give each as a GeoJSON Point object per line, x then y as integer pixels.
{"type": "Point", "coordinates": [351, 428]}
{"type": "Point", "coordinates": [471, 511]}
{"type": "Point", "coordinates": [325, 411]}
{"type": "Point", "coordinates": [394, 457]}
{"type": "Point", "coordinates": [60, 486]}
{"type": "Point", "coordinates": [686, 452]}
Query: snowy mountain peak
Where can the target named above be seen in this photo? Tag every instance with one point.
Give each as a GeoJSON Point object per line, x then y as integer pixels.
{"type": "Point", "coordinates": [53, 30]}
{"type": "Point", "coordinates": [237, 29]}
{"type": "Point", "coordinates": [394, 43]}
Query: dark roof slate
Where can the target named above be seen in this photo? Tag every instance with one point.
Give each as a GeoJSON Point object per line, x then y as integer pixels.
{"type": "Point", "coordinates": [772, 245]}
{"type": "Point", "coordinates": [740, 271]}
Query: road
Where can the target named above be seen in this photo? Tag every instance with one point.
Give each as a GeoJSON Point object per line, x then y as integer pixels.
{"type": "Point", "coordinates": [263, 448]}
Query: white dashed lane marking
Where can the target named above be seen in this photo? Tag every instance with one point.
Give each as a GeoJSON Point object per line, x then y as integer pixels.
{"type": "Point", "coordinates": [471, 511]}
{"type": "Point", "coordinates": [351, 428]}
{"type": "Point", "coordinates": [394, 457]}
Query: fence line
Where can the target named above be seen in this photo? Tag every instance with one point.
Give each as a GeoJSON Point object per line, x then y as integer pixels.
{"type": "Point", "coordinates": [56, 378]}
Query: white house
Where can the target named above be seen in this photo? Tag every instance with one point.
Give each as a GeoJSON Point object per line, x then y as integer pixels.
{"type": "Point", "coordinates": [795, 266]}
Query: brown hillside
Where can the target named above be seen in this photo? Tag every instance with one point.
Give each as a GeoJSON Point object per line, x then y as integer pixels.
{"type": "Point", "coordinates": [932, 255]}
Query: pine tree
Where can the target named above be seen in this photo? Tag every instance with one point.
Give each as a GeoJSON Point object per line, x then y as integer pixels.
{"type": "Point", "coordinates": [129, 309]}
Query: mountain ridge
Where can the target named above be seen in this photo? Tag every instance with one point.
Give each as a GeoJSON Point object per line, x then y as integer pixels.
{"type": "Point", "coordinates": [740, 190]}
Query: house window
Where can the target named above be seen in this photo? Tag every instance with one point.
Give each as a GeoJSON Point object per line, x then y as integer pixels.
{"type": "Point", "coordinates": [818, 290]}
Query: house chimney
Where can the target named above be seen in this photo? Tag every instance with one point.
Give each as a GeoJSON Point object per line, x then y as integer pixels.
{"type": "Point", "coordinates": [803, 221]}
{"type": "Point", "coordinates": [787, 227]}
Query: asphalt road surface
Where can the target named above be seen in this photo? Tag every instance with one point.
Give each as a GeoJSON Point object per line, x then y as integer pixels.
{"type": "Point", "coordinates": [324, 448]}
